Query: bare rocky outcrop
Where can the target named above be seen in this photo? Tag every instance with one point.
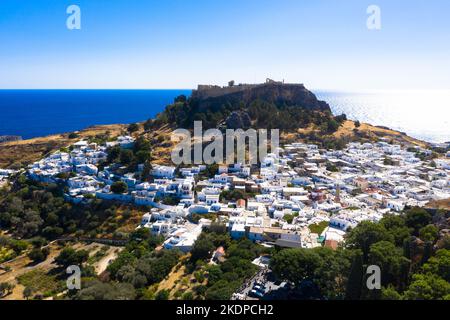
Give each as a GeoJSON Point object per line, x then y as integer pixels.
{"type": "Point", "coordinates": [238, 120]}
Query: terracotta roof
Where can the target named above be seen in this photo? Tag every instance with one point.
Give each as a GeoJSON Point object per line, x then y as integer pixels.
{"type": "Point", "coordinates": [220, 250]}
{"type": "Point", "coordinates": [332, 244]}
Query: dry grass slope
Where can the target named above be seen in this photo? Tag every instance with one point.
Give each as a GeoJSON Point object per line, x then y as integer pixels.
{"type": "Point", "coordinates": [21, 153]}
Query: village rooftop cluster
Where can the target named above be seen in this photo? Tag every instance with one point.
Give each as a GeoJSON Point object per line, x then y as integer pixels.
{"type": "Point", "coordinates": [4, 176]}
{"type": "Point", "coordinates": [293, 189]}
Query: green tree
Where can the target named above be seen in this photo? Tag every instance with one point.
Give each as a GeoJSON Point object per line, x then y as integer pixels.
{"type": "Point", "coordinates": [427, 287]}
{"type": "Point", "coordinates": [181, 98]}
{"type": "Point", "coordinates": [233, 195]}
{"type": "Point", "coordinates": [288, 218]}
{"type": "Point", "coordinates": [187, 296]}
{"type": "Point", "coordinates": [157, 265]}
{"type": "Point", "coordinates": [96, 290]}
{"type": "Point", "coordinates": [142, 144]}
{"type": "Point", "coordinates": [124, 258]}
{"type": "Point", "coordinates": [18, 245]}
{"type": "Point", "coordinates": [70, 256]}
{"type": "Point", "coordinates": [162, 295]}
{"type": "Point", "coordinates": [417, 218]}
{"type": "Point", "coordinates": [113, 154]}
{"type": "Point", "coordinates": [393, 264]}
{"type": "Point", "coordinates": [126, 156]}
{"type": "Point", "coordinates": [6, 288]}
{"type": "Point", "coordinates": [439, 264]}
{"type": "Point", "coordinates": [143, 156]}
{"type": "Point", "coordinates": [119, 187]}
{"type": "Point", "coordinates": [221, 290]}
{"type": "Point", "coordinates": [202, 249]}
{"type": "Point", "coordinates": [38, 254]}
{"type": "Point", "coordinates": [295, 265]}
{"type": "Point", "coordinates": [390, 293]}
{"type": "Point", "coordinates": [73, 135]}
{"type": "Point", "coordinates": [396, 226]}
{"type": "Point", "coordinates": [331, 167]}
{"type": "Point", "coordinates": [365, 235]}
{"type": "Point", "coordinates": [332, 270]}
{"type": "Point", "coordinates": [133, 127]}
{"type": "Point", "coordinates": [214, 274]}
{"type": "Point", "coordinates": [211, 170]}
{"type": "Point", "coordinates": [388, 161]}
{"type": "Point", "coordinates": [27, 292]}
{"type": "Point", "coordinates": [170, 200]}
{"type": "Point", "coordinates": [147, 171]}
{"type": "Point", "coordinates": [354, 283]}
{"type": "Point", "coordinates": [429, 233]}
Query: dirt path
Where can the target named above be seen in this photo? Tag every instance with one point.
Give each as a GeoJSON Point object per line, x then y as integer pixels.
{"type": "Point", "coordinates": [22, 265]}
{"type": "Point", "coordinates": [103, 263]}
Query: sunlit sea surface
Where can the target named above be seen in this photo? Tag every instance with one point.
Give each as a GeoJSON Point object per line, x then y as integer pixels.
{"type": "Point", "coordinates": [421, 114]}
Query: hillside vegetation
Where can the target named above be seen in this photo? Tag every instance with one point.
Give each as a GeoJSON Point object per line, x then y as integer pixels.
{"type": "Point", "coordinates": [16, 154]}
{"type": "Point", "coordinates": [268, 106]}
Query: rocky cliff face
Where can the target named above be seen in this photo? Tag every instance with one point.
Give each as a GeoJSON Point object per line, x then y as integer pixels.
{"type": "Point", "coordinates": [238, 120]}
{"type": "Point", "coordinates": [278, 93]}
{"type": "Point", "coordinates": [268, 105]}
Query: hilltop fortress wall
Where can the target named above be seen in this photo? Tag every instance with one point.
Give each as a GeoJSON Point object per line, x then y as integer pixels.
{"type": "Point", "coordinates": [212, 91]}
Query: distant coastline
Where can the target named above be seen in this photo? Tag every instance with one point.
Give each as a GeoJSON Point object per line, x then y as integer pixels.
{"type": "Point", "coordinates": [37, 113]}
{"type": "Point", "coordinates": [10, 138]}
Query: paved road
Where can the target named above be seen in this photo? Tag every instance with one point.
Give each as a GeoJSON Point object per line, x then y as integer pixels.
{"type": "Point", "coordinates": [248, 285]}
{"type": "Point", "coordinates": [261, 277]}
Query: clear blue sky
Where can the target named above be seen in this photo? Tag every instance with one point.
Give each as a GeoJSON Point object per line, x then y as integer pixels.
{"type": "Point", "coordinates": [179, 43]}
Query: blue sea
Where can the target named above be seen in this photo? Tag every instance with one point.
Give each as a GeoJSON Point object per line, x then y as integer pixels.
{"type": "Point", "coordinates": [33, 113]}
